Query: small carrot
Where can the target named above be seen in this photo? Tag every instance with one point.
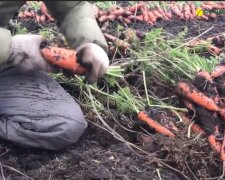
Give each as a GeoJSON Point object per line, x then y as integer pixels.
{"type": "Point", "coordinates": [222, 153]}
{"type": "Point", "coordinates": [143, 116]}
{"type": "Point", "coordinates": [206, 75]}
{"type": "Point", "coordinates": [135, 7]}
{"type": "Point", "coordinates": [111, 17]}
{"type": "Point", "coordinates": [215, 145]}
{"type": "Point", "coordinates": [194, 127]}
{"type": "Point", "coordinates": [118, 12]}
{"type": "Point", "coordinates": [193, 9]}
{"type": "Point", "coordinates": [191, 93]}
{"type": "Point", "coordinates": [44, 10]}
{"type": "Point", "coordinates": [188, 104]}
{"type": "Point", "coordinates": [152, 18]}
{"type": "Point", "coordinates": [103, 18]}
{"type": "Point", "coordinates": [157, 13]}
{"type": "Point", "coordinates": [145, 13]}
{"type": "Point", "coordinates": [63, 58]}
{"type": "Point", "coordinates": [218, 71]}
{"type": "Point", "coordinates": [214, 50]}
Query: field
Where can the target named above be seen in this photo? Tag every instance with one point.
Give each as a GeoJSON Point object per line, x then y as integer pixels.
{"type": "Point", "coordinates": [149, 58]}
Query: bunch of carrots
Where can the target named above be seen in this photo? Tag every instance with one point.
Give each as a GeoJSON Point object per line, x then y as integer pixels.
{"type": "Point", "coordinates": [206, 98]}
{"type": "Point", "coordinates": [40, 16]}
{"type": "Point", "coordinates": [140, 12]}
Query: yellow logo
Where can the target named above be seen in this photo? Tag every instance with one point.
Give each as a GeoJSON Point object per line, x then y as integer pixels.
{"type": "Point", "coordinates": [199, 12]}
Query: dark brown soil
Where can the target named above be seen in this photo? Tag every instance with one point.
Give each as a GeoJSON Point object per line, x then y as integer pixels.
{"type": "Point", "coordinates": [99, 156]}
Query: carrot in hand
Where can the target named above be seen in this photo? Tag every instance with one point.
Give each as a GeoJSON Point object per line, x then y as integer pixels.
{"type": "Point", "coordinates": [143, 116]}
{"type": "Point", "coordinates": [63, 58]}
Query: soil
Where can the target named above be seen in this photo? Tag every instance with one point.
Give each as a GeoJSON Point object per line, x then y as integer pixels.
{"type": "Point", "coordinates": [99, 156]}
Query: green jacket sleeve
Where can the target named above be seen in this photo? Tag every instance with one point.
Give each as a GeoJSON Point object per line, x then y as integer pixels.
{"type": "Point", "coordinates": [77, 22]}
{"type": "Point", "coordinates": [5, 39]}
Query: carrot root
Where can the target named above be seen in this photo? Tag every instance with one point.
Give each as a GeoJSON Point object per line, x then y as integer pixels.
{"type": "Point", "coordinates": [142, 116]}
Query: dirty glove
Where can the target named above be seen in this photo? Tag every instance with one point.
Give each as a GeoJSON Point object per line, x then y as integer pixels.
{"type": "Point", "coordinates": [25, 52]}
{"type": "Point", "coordinates": [94, 59]}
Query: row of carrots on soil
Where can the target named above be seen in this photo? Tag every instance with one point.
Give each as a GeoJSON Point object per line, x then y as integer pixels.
{"type": "Point", "coordinates": [207, 95]}
{"type": "Point", "coordinates": [140, 12]}
{"type": "Point", "coordinates": [204, 98]}
{"type": "Point", "coordinates": [41, 15]}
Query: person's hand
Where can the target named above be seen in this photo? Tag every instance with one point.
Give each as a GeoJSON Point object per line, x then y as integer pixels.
{"type": "Point", "coordinates": [26, 53]}
{"type": "Point", "coordinates": [94, 59]}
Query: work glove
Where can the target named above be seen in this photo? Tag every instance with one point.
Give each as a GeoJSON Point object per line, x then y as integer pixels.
{"type": "Point", "coordinates": [25, 52]}
{"type": "Point", "coordinates": [94, 59]}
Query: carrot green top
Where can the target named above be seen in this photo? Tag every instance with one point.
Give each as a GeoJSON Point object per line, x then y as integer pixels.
{"type": "Point", "coordinates": [75, 19]}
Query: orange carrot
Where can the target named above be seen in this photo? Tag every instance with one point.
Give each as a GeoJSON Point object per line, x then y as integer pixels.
{"type": "Point", "coordinates": [118, 42]}
{"type": "Point", "coordinates": [222, 153]}
{"type": "Point", "coordinates": [191, 93]}
{"type": "Point", "coordinates": [126, 20]}
{"type": "Point", "coordinates": [218, 71]}
{"type": "Point", "coordinates": [214, 50]}
{"type": "Point", "coordinates": [194, 127]}
{"type": "Point", "coordinates": [63, 58]}
{"type": "Point", "coordinates": [215, 145]}
{"type": "Point", "coordinates": [206, 75]}
{"type": "Point", "coordinates": [157, 13]}
{"type": "Point", "coordinates": [135, 7]}
{"type": "Point", "coordinates": [118, 12]}
{"type": "Point", "coordinates": [145, 13]}
{"type": "Point", "coordinates": [142, 116]}
{"type": "Point", "coordinates": [193, 9]}
{"type": "Point", "coordinates": [151, 16]}
{"type": "Point", "coordinates": [44, 10]}
{"type": "Point", "coordinates": [187, 11]}
{"type": "Point", "coordinates": [103, 18]}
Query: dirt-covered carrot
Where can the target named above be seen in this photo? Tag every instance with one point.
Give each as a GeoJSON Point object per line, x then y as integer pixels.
{"type": "Point", "coordinates": [143, 116]}
{"type": "Point", "coordinates": [194, 127]}
{"type": "Point", "coordinates": [206, 75]}
{"type": "Point", "coordinates": [63, 58]}
{"type": "Point", "coordinates": [218, 71]}
{"type": "Point", "coordinates": [222, 153]}
{"type": "Point", "coordinates": [118, 42]}
{"type": "Point", "coordinates": [190, 92]}
{"type": "Point", "coordinates": [215, 145]}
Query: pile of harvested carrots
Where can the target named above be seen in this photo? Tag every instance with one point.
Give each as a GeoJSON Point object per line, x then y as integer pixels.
{"type": "Point", "coordinates": [40, 16]}
{"type": "Point", "coordinates": [204, 98]}
{"type": "Point", "coordinates": [140, 12]}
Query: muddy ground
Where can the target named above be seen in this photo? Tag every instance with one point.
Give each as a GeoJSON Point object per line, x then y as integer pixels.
{"type": "Point", "coordinates": [99, 156]}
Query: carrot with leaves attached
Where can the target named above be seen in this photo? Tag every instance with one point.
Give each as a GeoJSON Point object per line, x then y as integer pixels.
{"type": "Point", "coordinates": [63, 58]}
{"type": "Point", "coordinates": [143, 116]}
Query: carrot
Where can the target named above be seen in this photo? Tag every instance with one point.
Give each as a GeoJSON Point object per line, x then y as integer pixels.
{"type": "Point", "coordinates": [44, 10]}
{"type": "Point", "coordinates": [139, 18]}
{"type": "Point", "coordinates": [215, 145]}
{"type": "Point", "coordinates": [157, 13]}
{"type": "Point", "coordinates": [63, 58]}
{"type": "Point", "coordinates": [145, 13]}
{"type": "Point", "coordinates": [218, 71]}
{"type": "Point", "coordinates": [103, 18]}
{"type": "Point", "coordinates": [222, 153]}
{"type": "Point", "coordinates": [205, 6]}
{"type": "Point", "coordinates": [127, 13]}
{"type": "Point", "coordinates": [136, 7]}
{"type": "Point", "coordinates": [118, 42]}
{"type": "Point", "coordinates": [193, 9]}
{"type": "Point", "coordinates": [191, 93]}
{"type": "Point", "coordinates": [126, 20]}
{"type": "Point", "coordinates": [111, 17]}
{"type": "Point", "coordinates": [151, 16]}
{"type": "Point", "coordinates": [212, 15]}
{"type": "Point", "coordinates": [188, 104]}
{"type": "Point", "coordinates": [194, 127]}
{"type": "Point", "coordinates": [187, 11]}
{"type": "Point", "coordinates": [206, 75]}
{"type": "Point", "coordinates": [214, 50]}
{"type": "Point", "coordinates": [42, 18]}
{"type": "Point", "coordinates": [118, 12]}
{"type": "Point", "coordinates": [142, 116]}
